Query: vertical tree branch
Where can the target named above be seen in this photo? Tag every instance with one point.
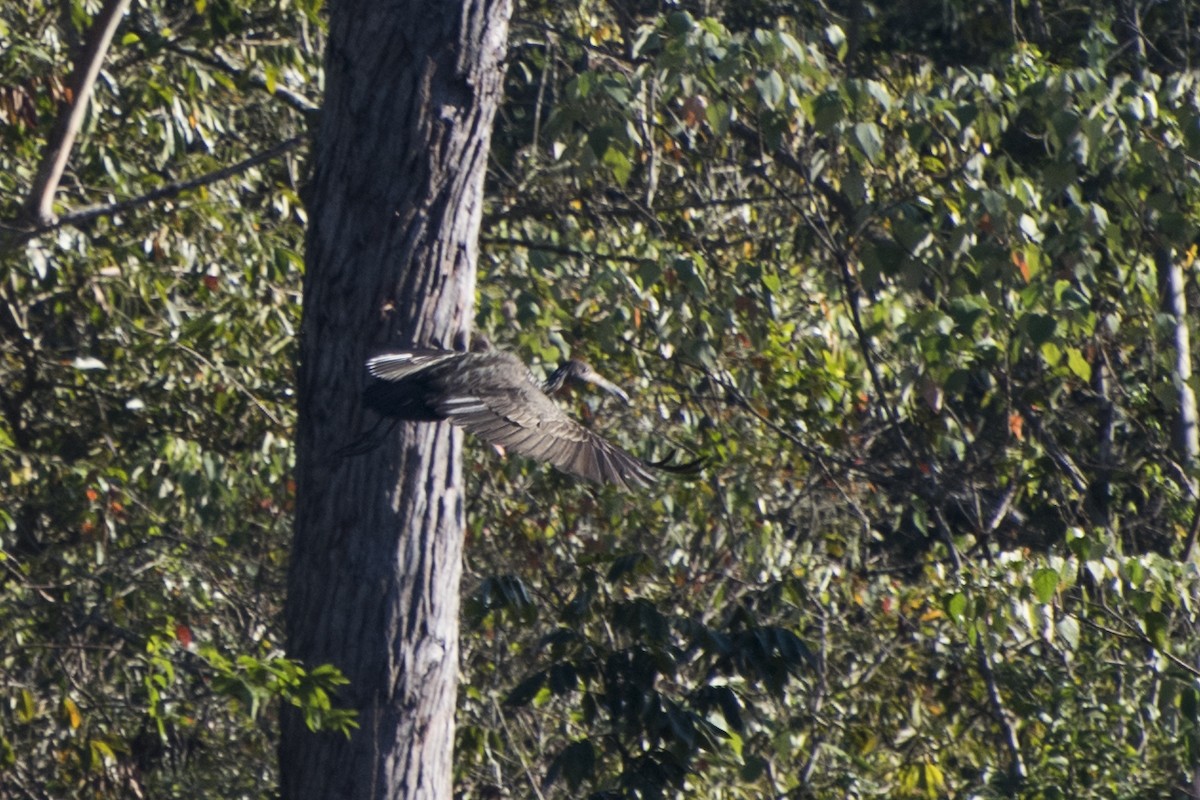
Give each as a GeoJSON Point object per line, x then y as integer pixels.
{"type": "Point", "coordinates": [1040, 33]}
{"type": "Point", "coordinates": [1129, 30]}
{"type": "Point", "coordinates": [39, 208]}
{"type": "Point", "coordinates": [1100, 489]}
{"type": "Point", "coordinates": [1187, 431]}
{"type": "Point", "coordinates": [1186, 440]}
{"type": "Point", "coordinates": [1016, 762]}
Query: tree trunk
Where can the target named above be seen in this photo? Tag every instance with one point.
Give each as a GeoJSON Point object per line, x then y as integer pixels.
{"type": "Point", "coordinates": [395, 205]}
{"type": "Point", "coordinates": [1186, 433]}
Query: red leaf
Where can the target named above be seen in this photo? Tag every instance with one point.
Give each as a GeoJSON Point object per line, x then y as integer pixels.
{"type": "Point", "coordinates": [184, 634]}
{"type": "Point", "coordinates": [1016, 426]}
{"type": "Point", "coordinates": [1018, 259]}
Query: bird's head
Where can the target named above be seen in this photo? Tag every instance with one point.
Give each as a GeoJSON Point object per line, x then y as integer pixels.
{"type": "Point", "coordinates": [582, 372]}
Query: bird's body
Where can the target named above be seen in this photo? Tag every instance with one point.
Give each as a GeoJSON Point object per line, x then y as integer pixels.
{"type": "Point", "coordinates": [493, 395]}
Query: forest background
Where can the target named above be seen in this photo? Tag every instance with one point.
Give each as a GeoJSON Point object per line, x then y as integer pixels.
{"type": "Point", "coordinates": [912, 276]}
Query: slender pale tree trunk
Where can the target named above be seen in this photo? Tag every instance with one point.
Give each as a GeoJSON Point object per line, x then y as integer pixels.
{"type": "Point", "coordinates": [1186, 436]}
{"type": "Point", "coordinates": [395, 205]}
{"type": "Point", "coordinates": [1186, 443]}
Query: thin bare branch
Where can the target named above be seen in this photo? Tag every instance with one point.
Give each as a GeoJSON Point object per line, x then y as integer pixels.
{"type": "Point", "coordinates": [1017, 771]}
{"type": "Point", "coordinates": [174, 188]}
{"type": "Point", "coordinates": [39, 207]}
{"type": "Point", "coordinates": [1134, 633]}
{"type": "Point", "coordinates": [550, 247]}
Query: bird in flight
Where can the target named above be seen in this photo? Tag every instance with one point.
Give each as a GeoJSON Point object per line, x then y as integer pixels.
{"type": "Point", "coordinates": [492, 394]}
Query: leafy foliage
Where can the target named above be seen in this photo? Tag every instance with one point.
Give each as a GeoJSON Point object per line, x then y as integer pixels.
{"type": "Point", "coordinates": [910, 309]}
{"type": "Point", "coordinates": [146, 410]}
{"type": "Point", "coordinates": [896, 274]}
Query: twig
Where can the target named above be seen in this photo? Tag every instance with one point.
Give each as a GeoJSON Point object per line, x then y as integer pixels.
{"type": "Point", "coordinates": [215, 60]}
{"type": "Point", "coordinates": [1002, 509]}
{"type": "Point", "coordinates": [236, 383]}
{"type": "Point", "coordinates": [547, 247]}
{"type": "Point", "coordinates": [174, 188]}
{"type": "Point", "coordinates": [14, 236]}
{"type": "Point", "coordinates": [1138, 635]}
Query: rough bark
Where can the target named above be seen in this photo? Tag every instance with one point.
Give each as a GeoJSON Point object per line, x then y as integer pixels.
{"type": "Point", "coordinates": [395, 205]}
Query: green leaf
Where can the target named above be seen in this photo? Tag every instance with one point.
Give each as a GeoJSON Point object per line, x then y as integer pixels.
{"type": "Point", "coordinates": [956, 606]}
{"type": "Point", "coordinates": [101, 754]}
{"type": "Point", "coordinates": [619, 163]}
{"type": "Point", "coordinates": [770, 88]}
{"type": "Point", "coordinates": [680, 22]}
{"type": "Point", "coordinates": [753, 768]}
{"type": "Point", "coordinates": [1189, 704]}
{"type": "Point", "coordinates": [793, 45]}
{"type": "Point", "coordinates": [835, 35]}
{"type": "Point", "coordinates": [1078, 364]}
{"type": "Point", "coordinates": [1156, 625]}
{"type": "Point", "coordinates": [1068, 630]}
{"type": "Point", "coordinates": [26, 708]}
{"type": "Point", "coordinates": [1045, 584]}
{"type": "Point", "coordinates": [932, 780]}
{"type": "Point", "coordinates": [1039, 327]}
{"type": "Point", "coordinates": [869, 140]}
{"type": "Point", "coordinates": [828, 109]}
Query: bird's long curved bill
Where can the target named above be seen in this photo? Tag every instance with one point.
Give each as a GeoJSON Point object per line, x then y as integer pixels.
{"type": "Point", "coordinates": [608, 386]}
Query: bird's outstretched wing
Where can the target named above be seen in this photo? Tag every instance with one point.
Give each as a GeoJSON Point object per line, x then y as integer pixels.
{"type": "Point", "coordinates": [527, 422]}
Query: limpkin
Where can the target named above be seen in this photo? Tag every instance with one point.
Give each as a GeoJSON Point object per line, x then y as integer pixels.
{"type": "Point", "coordinates": [493, 395]}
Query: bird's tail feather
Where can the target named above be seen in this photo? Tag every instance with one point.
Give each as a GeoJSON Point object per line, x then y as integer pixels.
{"type": "Point", "coordinates": [687, 468]}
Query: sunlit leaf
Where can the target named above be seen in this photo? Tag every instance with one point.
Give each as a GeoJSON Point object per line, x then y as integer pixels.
{"type": "Point", "coordinates": [71, 713]}
{"type": "Point", "coordinates": [1045, 584]}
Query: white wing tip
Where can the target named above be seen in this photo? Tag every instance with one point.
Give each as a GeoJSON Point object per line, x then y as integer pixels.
{"type": "Point", "coordinates": [393, 366]}
{"type": "Point", "coordinates": [389, 358]}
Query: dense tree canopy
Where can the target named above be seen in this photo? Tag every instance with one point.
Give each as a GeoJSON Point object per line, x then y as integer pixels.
{"type": "Point", "coordinates": [913, 277]}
